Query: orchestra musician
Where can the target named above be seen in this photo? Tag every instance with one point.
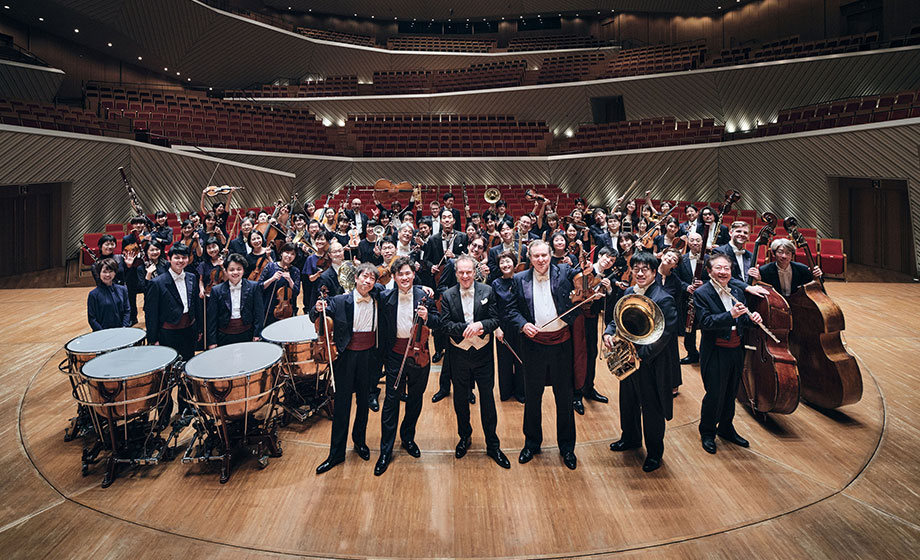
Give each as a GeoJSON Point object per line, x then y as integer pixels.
{"type": "Point", "coordinates": [667, 278]}
{"type": "Point", "coordinates": [449, 206]}
{"type": "Point", "coordinates": [510, 371]}
{"type": "Point", "coordinates": [785, 275]}
{"type": "Point", "coordinates": [161, 229]}
{"type": "Point", "coordinates": [356, 319]}
{"type": "Point", "coordinates": [156, 265]}
{"type": "Point", "coordinates": [645, 396]}
{"type": "Point", "coordinates": [312, 270]}
{"type": "Point", "coordinates": [685, 272]}
{"type": "Point", "coordinates": [708, 217]}
{"type": "Point", "coordinates": [589, 315]}
{"type": "Point", "coordinates": [235, 308]}
{"type": "Point", "coordinates": [469, 315]}
{"type": "Point", "coordinates": [357, 217]}
{"type": "Point", "coordinates": [721, 350]}
{"type": "Point", "coordinates": [692, 223]}
{"type": "Point", "coordinates": [739, 232]}
{"type": "Point", "coordinates": [369, 247]}
{"type": "Point", "coordinates": [330, 277]}
{"type": "Point", "coordinates": [240, 243]}
{"type": "Point", "coordinates": [399, 306]}
{"type": "Point", "coordinates": [441, 246]}
{"type": "Point", "coordinates": [107, 305]}
{"type": "Point", "coordinates": [506, 233]}
{"type": "Point", "coordinates": [275, 272]}
{"type": "Point", "coordinates": [542, 294]}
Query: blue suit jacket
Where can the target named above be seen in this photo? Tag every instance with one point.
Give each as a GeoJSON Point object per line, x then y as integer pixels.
{"type": "Point", "coordinates": [729, 250]}
{"type": "Point", "coordinates": [108, 308]}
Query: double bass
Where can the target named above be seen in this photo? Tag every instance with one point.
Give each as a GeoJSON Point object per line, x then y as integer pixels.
{"type": "Point", "coordinates": [830, 375]}
{"type": "Point", "coordinates": [770, 378]}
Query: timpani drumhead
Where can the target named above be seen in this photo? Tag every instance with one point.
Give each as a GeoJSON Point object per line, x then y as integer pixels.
{"type": "Point", "coordinates": [129, 362]}
{"type": "Point", "coordinates": [292, 329]}
{"type": "Point", "coordinates": [106, 340]}
{"type": "Point", "coordinates": [233, 360]}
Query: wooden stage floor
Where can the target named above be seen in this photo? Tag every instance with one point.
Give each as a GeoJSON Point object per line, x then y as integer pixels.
{"type": "Point", "coordinates": [813, 484]}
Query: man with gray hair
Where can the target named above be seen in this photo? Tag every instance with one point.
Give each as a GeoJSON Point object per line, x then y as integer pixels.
{"type": "Point", "coordinates": [785, 275]}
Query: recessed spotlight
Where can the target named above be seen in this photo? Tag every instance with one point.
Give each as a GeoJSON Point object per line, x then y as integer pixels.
{"type": "Point", "coordinates": [178, 74]}
{"type": "Point", "coordinates": [109, 44]}
{"type": "Point", "coordinates": [140, 58]}
{"type": "Point", "coordinates": [41, 19]}
{"type": "Point", "coordinates": [165, 69]}
{"type": "Point", "coordinates": [189, 79]}
{"type": "Point", "coordinates": [5, 7]}
{"type": "Point", "coordinates": [289, 7]}
{"type": "Point", "coordinates": [372, 17]}
{"type": "Point", "coordinates": [210, 89]}
{"type": "Point", "coordinates": [75, 30]}
{"type": "Point", "coordinates": [356, 15]}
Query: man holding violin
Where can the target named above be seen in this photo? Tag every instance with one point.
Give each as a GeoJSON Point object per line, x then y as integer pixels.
{"type": "Point", "coordinates": [408, 314]}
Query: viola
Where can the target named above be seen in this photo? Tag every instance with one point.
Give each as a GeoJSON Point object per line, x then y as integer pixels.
{"type": "Point", "coordinates": [384, 275]}
{"type": "Point", "coordinates": [585, 281]}
{"type": "Point", "coordinates": [830, 374]}
{"type": "Point", "coordinates": [324, 262]}
{"type": "Point", "coordinates": [216, 276]}
{"type": "Point", "coordinates": [324, 351]}
{"type": "Point", "coordinates": [264, 259]}
{"type": "Point", "coordinates": [770, 377]}
{"type": "Point", "coordinates": [284, 293]}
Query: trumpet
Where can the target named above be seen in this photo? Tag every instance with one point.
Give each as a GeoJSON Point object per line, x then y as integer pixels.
{"type": "Point", "coordinates": [492, 195]}
{"type": "Point", "coordinates": [529, 194]}
{"type": "Point", "coordinates": [639, 320]}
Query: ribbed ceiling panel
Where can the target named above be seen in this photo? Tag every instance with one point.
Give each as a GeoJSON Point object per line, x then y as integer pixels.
{"type": "Point", "coordinates": [23, 81]}
{"type": "Point", "coordinates": [107, 11]}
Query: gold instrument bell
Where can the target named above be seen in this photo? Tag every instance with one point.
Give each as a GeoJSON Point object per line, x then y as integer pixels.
{"type": "Point", "coordinates": [639, 320]}
{"type": "Point", "coordinates": [492, 195]}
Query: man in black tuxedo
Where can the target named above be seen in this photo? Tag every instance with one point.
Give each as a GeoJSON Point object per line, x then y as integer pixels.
{"type": "Point", "coordinates": [690, 262]}
{"type": "Point", "coordinates": [740, 257]}
{"type": "Point", "coordinates": [783, 274]}
{"type": "Point", "coordinates": [469, 315]}
{"type": "Point", "coordinates": [446, 244]}
{"type": "Point", "coordinates": [235, 309]}
{"type": "Point", "coordinates": [645, 396]}
{"type": "Point", "coordinates": [693, 220]}
{"type": "Point", "coordinates": [357, 217]}
{"type": "Point", "coordinates": [541, 294]}
{"type": "Point", "coordinates": [356, 319]}
{"type": "Point", "coordinates": [400, 306]}
{"type": "Point", "coordinates": [449, 206]}
{"type": "Point", "coordinates": [708, 218]}
{"type": "Point", "coordinates": [330, 277]}
{"type": "Point", "coordinates": [598, 229]}
{"type": "Point", "coordinates": [722, 322]}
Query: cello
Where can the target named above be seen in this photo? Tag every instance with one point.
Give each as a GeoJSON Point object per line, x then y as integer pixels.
{"type": "Point", "coordinates": [770, 378]}
{"type": "Point", "coordinates": [830, 375]}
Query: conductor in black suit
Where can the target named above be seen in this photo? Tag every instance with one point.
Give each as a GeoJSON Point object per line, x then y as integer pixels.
{"type": "Point", "coordinates": [235, 309]}
{"type": "Point", "coordinates": [741, 258]}
{"type": "Point", "coordinates": [708, 218]}
{"type": "Point", "coordinates": [172, 308]}
{"type": "Point", "coordinates": [469, 315]}
{"type": "Point", "coordinates": [783, 274]}
{"type": "Point", "coordinates": [645, 396]}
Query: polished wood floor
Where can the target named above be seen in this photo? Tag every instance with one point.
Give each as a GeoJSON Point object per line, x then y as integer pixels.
{"type": "Point", "coordinates": [813, 484]}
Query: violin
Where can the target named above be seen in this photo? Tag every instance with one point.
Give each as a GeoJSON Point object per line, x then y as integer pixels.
{"type": "Point", "coordinates": [585, 281]}
{"type": "Point", "coordinates": [417, 353]}
{"type": "Point", "coordinates": [324, 351]}
{"type": "Point", "coordinates": [214, 190]}
{"type": "Point", "coordinates": [324, 262]}
{"type": "Point", "coordinates": [284, 293]}
{"type": "Point", "coordinates": [264, 259]}
{"type": "Point", "coordinates": [217, 276]}
{"type": "Point", "coordinates": [384, 274]}
{"type": "Point", "coordinates": [830, 374]}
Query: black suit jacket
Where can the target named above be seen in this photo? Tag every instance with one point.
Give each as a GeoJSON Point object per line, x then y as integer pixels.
{"type": "Point", "coordinates": [656, 361]}
{"type": "Point", "coordinates": [237, 245]}
{"type": "Point", "coordinates": [108, 307]}
{"type": "Point", "coordinates": [350, 214]}
{"type": "Point", "coordinates": [252, 308]}
{"type": "Point", "coordinates": [722, 239]}
{"type": "Point", "coordinates": [801, 275]}
{"type": "Point", "coordinates": [729, 250]}
{"type": "Point", "coordinates": [389, 304]}
{"type": "Point", "coordinates": [713, 320]}
{"type": "Point", "coordinates": [560, 278]}
{"type": "Point", "coordinates": [485, 309]}
{"type": "Point", "coordinates": [342, 311]}
{"type": "Point", "coordinates": [163, 305]}
{"type": "Point", "coordinates": [330, 279]}
{"type": "Point", "coordinates": [434, 250]}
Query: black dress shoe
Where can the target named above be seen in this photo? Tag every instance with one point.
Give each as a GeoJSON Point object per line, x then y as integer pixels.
{"type": "Point", "coordinates": [689, 360]}
{"type": "Point", "coordinates": [439, 395]}
{"type": "Point", "coordinates": [499, 458]}
{"type": "Point", "coordinates": [328, 464]}
{"type": "Point", "coordinates": [570, 461]}
{"type": "Point", "coordinates": [412, 449]}
{"type": "Point", "coordinates": [382, 463]}
{"type": "Point", "coordinates": [526, 455]}
{"type": "Point", "coordinates": [651, 464]}
{"type": "Point", "coordinates": [373, 404]}
{"type": "Point", "coordinates": [579, 406]}
{"type": "Point", "coordinates": [437, 356]}
{"type": "Point", "coordinates": [621, 445]}
{"type": "Point", "coordinates": [363, 452]}
{"type": "Point", "coordinates": [595, 396]}
{"type": "Point", "coordinates": [403, 397]}
{"type": "Point", "coordinates": [736, 439]}
{"type": "Point", "coordinates": [521, 400]}
{"type": "Point", "coordinates": [709, 444]}
{"type": "Point", "coordinates": [472, 398]}
{"type": "Point", "coordinates": [463, 447]}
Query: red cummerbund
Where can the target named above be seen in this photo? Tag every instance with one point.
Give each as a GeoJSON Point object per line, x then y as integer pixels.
{"type": "Point", "coordinates": [235, 326]}
{"type": "Point", "coordinates": [362, 341]}
{"type": "Point", "coordinates": [185, 321]}
{"type": "Point", "coordinates": [734, 341]}
{"type": "Point", "coordinates": [551, 338]}
{"type": "Point", "coordinates": [400, 346]}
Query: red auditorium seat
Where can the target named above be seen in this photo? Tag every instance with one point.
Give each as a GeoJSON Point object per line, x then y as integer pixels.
{"type": "Point", "coordinates": [833, 260]}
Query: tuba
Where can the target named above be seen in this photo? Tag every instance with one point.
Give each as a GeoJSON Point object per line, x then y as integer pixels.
{"type": "Point", "coordinates": [492, 195]}
{"type": "Point", "coordinates": [639, 320]}
{"type": "Point", "coordinates": [347, 276]}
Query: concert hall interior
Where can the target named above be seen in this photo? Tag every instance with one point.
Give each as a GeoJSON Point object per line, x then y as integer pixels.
{"type": "Point", "coordinates": [627, 278]}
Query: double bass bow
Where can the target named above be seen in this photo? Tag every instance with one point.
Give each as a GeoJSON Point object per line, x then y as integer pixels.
{"type": "Point", "coordinates": [770, 378]}
{"type": "Point", "coordinates": [830, 375]}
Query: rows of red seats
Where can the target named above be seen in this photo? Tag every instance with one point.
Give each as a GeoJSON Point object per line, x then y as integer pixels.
{"type": "Point", "coordinates": [477, 76]}
{"type": "Point", "coordinates": [792, 48]}
{"type": "Point", "coordinates": [646, 133]}
{"type": "Point", "coordinates": [422, 135]}
{"type": "Point", "coordinates": [330, 86]}
{"type": "Point", "coordinates": [571, 68]}
{"type": "Point", "coordinates": [337, 37]}
{"type": "Point", "coordinates": [439, 44]}
{"type": "Point", "coordinates": [846, 112]}
{"type": "Point", "coordinates": [554, 42]}
{"type": "Point", "coordinates": [189, 118]}
{"type": "Point", "coordinates": [60, 117]}
{"type": "Point", "coordinates": [657, 59]}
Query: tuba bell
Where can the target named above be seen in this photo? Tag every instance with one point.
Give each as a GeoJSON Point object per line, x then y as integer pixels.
{"type": "Point", "coordinates": [492, 195]}
{"type": "Point", "coordinates": [639, 320]}
{"type": "Point", "coordinates": [347, 276]}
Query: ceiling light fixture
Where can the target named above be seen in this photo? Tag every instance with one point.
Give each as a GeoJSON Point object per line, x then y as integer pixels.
{"type": "Point", "coordinates": [75, 30]}
{"type": "Point", "coordinates": [41, 19]}
{"type": "Point", "coordinates": [140, 58]}
{"type": "Point", "coordinates": [165, 69]}
{"type": "Point", "coordinates": [109, 44]}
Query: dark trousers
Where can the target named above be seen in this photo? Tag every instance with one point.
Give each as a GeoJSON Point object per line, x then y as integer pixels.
{"type": "Point", "coordinates": [640, 414]}
{"type": "Point", "coordinates": [591, 356]}
{"type": "Point", "coordinates": [182, 341]}
{"type": "Point", "coordinates": [417, 380]}
{"type": "Point", "coordinates": [690, 344]}
{"type": "Point", "coordinates": [224, 339]}
{"type": "Point", "coordinates": [467, 366]}
{"type": "Point", "coordinates": [553, 363]}
{"type": "Point", "coordinates": [510, 371]}
{"type": "Point", "coordinates": [350, 371]}
{"type": "Point", "coordinates": [720, 379]}
{"type": "Point", "coordinates": [132, 302]}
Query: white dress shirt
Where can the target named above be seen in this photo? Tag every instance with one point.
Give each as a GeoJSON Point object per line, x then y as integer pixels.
{"type": "Point", "coordinates": [363, 320]}
{"type": "Point", "coordinates": [179, 280]}
{"type": "Point", "coordinates": [724, 296]}
{"type": "Point", "coordinates": [236, 295]}
{"type": "Point", "coordinates": [739, 256]}
{"type": "Point", "coordinates": [785, 279]}
{"type": "Point", "coordinates": [694, 260]}
{"type": "Point", "coordinates": [402, 250]}
{"type": "Point", "coordinates": [544, 308]}
{"type": "Point", "coordinates": [468, 301]}
{"type": "Point", "coordinates": [404, 314]}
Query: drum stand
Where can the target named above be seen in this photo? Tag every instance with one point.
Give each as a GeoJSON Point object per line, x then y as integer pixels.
{"type": "Point", "coordinates": [217, 439]}
{"type": "Point", "coordinates": [303, 399]}
{"type": "Point", "coordinates": [81, 425]}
